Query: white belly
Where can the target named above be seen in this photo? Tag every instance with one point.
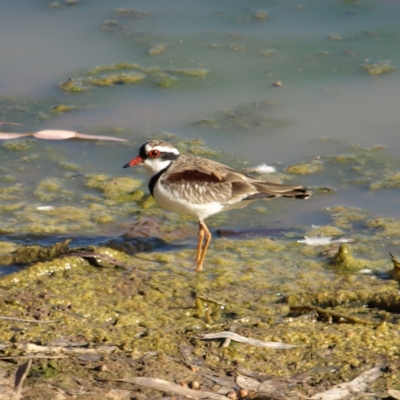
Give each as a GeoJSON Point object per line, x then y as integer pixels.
{"type": "Point", "coordinates": [172, 202]}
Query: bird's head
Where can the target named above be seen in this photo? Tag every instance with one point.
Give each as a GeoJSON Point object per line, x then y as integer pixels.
{"type": "Point", "coordinates": [154, 155]}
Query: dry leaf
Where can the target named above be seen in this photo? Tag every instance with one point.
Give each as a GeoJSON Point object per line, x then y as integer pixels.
{"type": "Point", "coordinates": [54, 135]}
{"type": "Point", "coordinates": [247, 383]}
{"type": "Point", "coordinates": [4, 135]}
{"type": "Point", "coordinates": [12, 390]}
{"type": "Point", "coordinates": [394, 393]}
{"type": "Point", "coordinates": [357, 385]}
{"type": "Point", "coordinates": [238, 338]}
{"type": "Point", "coordinates": [166, 386]}
{"type": "Point", "coordinates": [34, 348]}
{"type": "Point", "coordinates": [99, 137]}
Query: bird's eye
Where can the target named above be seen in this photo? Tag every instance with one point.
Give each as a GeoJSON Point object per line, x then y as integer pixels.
{"type": "Point", "coordinates": [154, 153]}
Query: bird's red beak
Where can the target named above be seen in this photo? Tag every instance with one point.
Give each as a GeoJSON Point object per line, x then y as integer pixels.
{"type": "Point", "coordinates": [136, 161]}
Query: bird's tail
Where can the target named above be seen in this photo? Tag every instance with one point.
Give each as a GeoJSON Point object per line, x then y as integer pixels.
{"type": "Point", "coordinates": [267, 189]}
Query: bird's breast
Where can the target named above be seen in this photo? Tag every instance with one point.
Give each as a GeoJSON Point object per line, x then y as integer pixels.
{"type": "Point", "coordinates": [185, 200]}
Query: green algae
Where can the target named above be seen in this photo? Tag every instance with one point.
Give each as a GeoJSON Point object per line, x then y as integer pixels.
{"type": "Point", "coordinates": [325, 231]}
{"type": "Point", "coordinates": [62, 108]}
{"type": "Point", "coordinates": [157, 303]}
{"type": "Point", "coordinates": [73, 86]}
{"type": "Point", "coordinates": [30, 254]}
{"type": "Point", "coordinates": [20, 145]}
{"type": "Point", "coordinates": [384, 226]}
{"type": "Point", "coordinates": [164, 80]}
{"type": "Point", "coordinates": [130, 13]}
{"type": "Point", "coordinates": [114, 79]}
{"type": "Point", "coordinates": [129, 73]}
{"type": "Point", "coordinates": [50, 189]}
{"type": "Point", "coordinates": [254, 117]}
{"type": "Point", "coordinates": [123, 189]}
{"type": "Point", "coordinates": [194, 72]}
{"type": "Point", "coordinates": [311, 167]}
{"type": "Point", "coordinates": [69, 166]}
{"type": "Point", "coordinates": [157, 49]}
{"type": "Point", "coordinates": [389, 180]}
{"type": "Point", "coordinates": [97, 180]}
{"type": "Point", "coordinates": [378, 67]}
{"type": "Point", "coordinates": [268, 53]}
{"type": "Point", "coordinates": [395, 272]}
{"type": "Point", "coordinates": [261, 15]}
{"type": "Point", "coordinates": [343, 261]}
{"type": "Point", "coordinates": [236, 47]}
{"type": "Point", "coordinates": [106, 68]}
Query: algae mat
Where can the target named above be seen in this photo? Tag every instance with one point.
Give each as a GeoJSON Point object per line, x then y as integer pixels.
{"type": "Point", "coordinates": [93, 319]}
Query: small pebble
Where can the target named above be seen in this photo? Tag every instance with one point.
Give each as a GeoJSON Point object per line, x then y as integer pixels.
{"type": "Point", "coordinates": [232, 395]}
{"type": "Point", "coordinates": [195, 385]}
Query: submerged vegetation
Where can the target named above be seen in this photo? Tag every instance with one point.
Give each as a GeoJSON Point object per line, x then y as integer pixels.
{"type": "Point", "coordinates": [132, 295]}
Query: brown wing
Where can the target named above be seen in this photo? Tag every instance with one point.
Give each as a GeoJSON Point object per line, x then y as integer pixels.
{"type": "Point", "coordinates": [206, 181]}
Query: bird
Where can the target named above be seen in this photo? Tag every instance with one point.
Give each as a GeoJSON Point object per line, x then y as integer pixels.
{"type": "Point", "coordinates": [200, 187]}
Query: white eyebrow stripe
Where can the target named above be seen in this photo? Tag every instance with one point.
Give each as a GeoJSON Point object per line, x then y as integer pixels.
{"type": "Point", "coordinates": [163, 149]}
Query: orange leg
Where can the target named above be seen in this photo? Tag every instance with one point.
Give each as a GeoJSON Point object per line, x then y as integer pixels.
{"type": "Point", "coordinates": [200, 242]}
{"type": "Point", "coordinates": [202, 249]}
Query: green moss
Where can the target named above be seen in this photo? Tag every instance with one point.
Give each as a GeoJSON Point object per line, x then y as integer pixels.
{"type": "Point", "coordinates": [130, 12]}
{"type": "Point", "coordinates": [69, 213]}
{"type": "Point", "coordinates": [385, 226]}
{"type": "Point", "coordinates": [261, 15]}
{"type": "Point", "coordinates": [164, 80]}
{"type": "Point", "coordinates": [30, 254]}
{"type": "Point", "coordinates": [344, 261]}
{"type": "Point", "coordinates": [114, 67]}
{"type": "Point", "coordinates": [123, 78]}
{"type": "Point", "coordinates": [69, 166]}
{"type": "Point", "coordinates": [268, 53]}
{"type": "Point", "coordinates": [195, 72]}
{"type": "Point", "coordinates": [311, 167]}
{"type": "Point", "coordinates": [157, 49]}
{"type": "Point", "coordinates": [97, 181]}
{"type": "Point", "coordinates": [236, 47]}
{"type": "Point", "coordinates": [18, 145]}
{"type": "Point", "coordinates": [123, 189]}
{"type": "Point", "coordinates": [103, 218]}
{"type": "Point", "coordinates": [50, 189]}
{"type": "Point", "coordinates": [378, 67]}
{"type": "Point", "coordinates": [12, 207]}
{"type": "Point", "coordinates": [73, 86]}
{"type": "Point", "coordinates": [62, 108]}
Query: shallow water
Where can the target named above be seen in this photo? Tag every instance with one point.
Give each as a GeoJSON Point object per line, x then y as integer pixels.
{"type": "Point", "coordinates": [316, 50]}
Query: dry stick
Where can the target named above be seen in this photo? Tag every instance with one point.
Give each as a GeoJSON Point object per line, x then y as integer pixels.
{"type": "Point", "coordinates": [241, 339]}
{"type": "Point", "coordinates": [36, 321]}
{"type": "Point", "coordinates": [31, 357]}
{"type": "Point", "coordinates": [166, 386]}
{"type": "Point", "coordinates": [227, 341]}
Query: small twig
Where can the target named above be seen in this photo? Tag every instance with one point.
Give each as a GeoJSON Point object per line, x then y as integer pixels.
{"type": "Point", "coordinates": [241, 339]}
{"type": "Point", "coordinates": [33, 348]}
{"type": "Point", "coordinates": [36, 321]}
{"type": "Point", "coordinates": [227, 341]}
{"type": "Point", "coordinates": [30, 357]}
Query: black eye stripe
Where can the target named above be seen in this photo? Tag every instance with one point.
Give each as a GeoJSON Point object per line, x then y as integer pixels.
{"type": "Point", "coordinates": [167, 155]}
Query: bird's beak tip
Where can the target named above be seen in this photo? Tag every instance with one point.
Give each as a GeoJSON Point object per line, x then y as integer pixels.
{"type": "Point", "coordinates": [136, 161]}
